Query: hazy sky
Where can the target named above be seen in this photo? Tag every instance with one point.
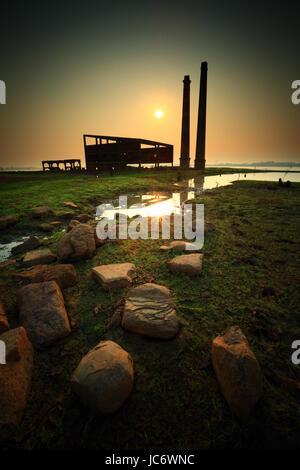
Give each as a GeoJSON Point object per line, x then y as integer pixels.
{"type": "Point", "coordinates": [105, 67]}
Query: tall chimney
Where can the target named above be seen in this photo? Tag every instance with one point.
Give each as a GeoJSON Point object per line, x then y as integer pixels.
{"type": "Point", "coordinates": [185, 129]}
{"type": "Point", "coordinates": [201, 128]}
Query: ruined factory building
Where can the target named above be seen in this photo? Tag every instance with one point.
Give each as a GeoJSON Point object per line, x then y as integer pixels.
{"type": "Point", "coordinates": [72, 164]}
{"type": "Point", "coordinates": [103, 151]}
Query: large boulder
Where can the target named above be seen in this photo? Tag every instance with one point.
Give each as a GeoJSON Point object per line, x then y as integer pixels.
{"type": "Point", "coordinates": [187, 264]}
{"type": "Point", "coordinates": [42, 313]}
{"type": "Point", "coordinates": [30, 244]}
{"type": "Point", "coordinates": [237, 370]}
{"type": "Point", "coordinates": [112, 276]}
{"type": "Point", "coordinates": [63, 274]}
{"type": "Point", "coordinates": [149, 311]}
{"type": "Point", "coordinates": [78, 243]}
{"type": "Point", "coordinates": [15, 378]}
{"type": "Point", "coordinates": [7, 221]}
{"type": "Point", "coordinates": [35, 257]}
{"type": "Point", "coordinates": [42, 212]}
{"type": "Point", "coordinates": [104, 377]}
{"type": "Point", "coordinates": [73, 223]}
{"type": "Point", "coordinates": [4, 325]}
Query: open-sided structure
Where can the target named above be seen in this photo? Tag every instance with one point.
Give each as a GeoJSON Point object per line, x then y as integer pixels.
{"type": "Point", "coordinates": [72, 164]}
{"type": "Point", "coordinates": [102, 151]}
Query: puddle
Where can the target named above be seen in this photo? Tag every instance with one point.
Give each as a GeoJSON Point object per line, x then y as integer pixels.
{"type": "Point", "coordinates": [157, 204]}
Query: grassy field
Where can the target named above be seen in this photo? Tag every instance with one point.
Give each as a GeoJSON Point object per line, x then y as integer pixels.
{"type": "Point", "coordinates": [176, 401]}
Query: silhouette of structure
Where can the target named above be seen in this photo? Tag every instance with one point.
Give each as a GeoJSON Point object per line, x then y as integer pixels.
{"type": "Point", "coordinates": [201, 128]}
{"type": "Point", "coordinates": [185, 128]}
{"type": "Point", "coordinates": [73, 164]}
{"type": "Point", "coordinates": [102, 151]}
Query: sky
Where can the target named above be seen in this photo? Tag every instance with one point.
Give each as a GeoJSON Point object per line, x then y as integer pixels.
{"type": "Point", "coordinates": [75, 67]}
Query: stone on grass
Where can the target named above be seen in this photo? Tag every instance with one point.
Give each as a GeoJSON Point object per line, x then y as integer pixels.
{"type": "Point", "coordinates": [7, 221]}
{"type": "Point", "coordinates": [42, 313]}
{"type": "Point", "coordinates": [103, 379]}
{"type": "Point", "coordinates": [46, 227]}
{"type": "Point", "coordinates": [4, 325]}
{"type": "Point", "coordinates": [114, 275]}
{"type": "Point", "coordinates": [30, 244]}
{"type": "Point", "coordinates": [78, 243]}
{"type": "Point", "coordinates": [15, 378]}
{"type": "Point", "coordinates": [65, 215]}
{"type": "Point", "coordinates": [83, 218]}
{"type": "Point", "coordinates": [42, 256]}
{"type": "Point", "coordinates": [187, 264]}
{"type": "Point", "coordinates": [237, 370]}
{"type": "Point", "coordinates": [63, 274]}
{"type": "Point", "coordinates": [179, 245]}
{"type": "Point", "coordinates": [42, 212]}
{"type": "Point", "coordinates": [70, 204]}
{"type": "Point", "coordinates": [149, 311]}
{"type": "Point", "coordinates": [73, 223]}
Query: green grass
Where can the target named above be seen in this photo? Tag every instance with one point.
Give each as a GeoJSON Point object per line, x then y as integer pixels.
{"type": "Point", "coordinates": [176, 402]}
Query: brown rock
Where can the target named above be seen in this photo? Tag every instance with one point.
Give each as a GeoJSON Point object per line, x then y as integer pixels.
{"type": "Point", "coordinates": [78, 243]}
{"type": "Point", "coordinates": [187, 264]}
{"type": "Point", "coordinates": [179, 245]}
{"type": "Point", "coordinates": [30, 244]}
{"type": "Point", "coordinates": [104, 377]}
{"type": "Point", "coordinates": [112, 276]}
{"type": "Point", "coordinates": [43, 313]}
{"type": "Point", "coordinates": [73, 223]}
{"type": "Point", "coordinates": [15, 378]}
{"type": "Point", "coordinates": [238, 371]}
{"type": "Point", "coordinates": [149, 311]}
{"type": "Point", "coordinates": [63, 274]}
{"type": "Point", "coordinates": [7, 221]}
{"type": "Point", "coordinates": [65, 215]}
{"type": "Point", "coordinates": [42, 212]}
{"type": "Point", "coordinates": [4, 326]}
{"type": "Point", "coordinates": [35, 257]}
{"type": "Point", "coordinates": [46, 227]}
{"type": "Point", "coordinates": [72, 205]}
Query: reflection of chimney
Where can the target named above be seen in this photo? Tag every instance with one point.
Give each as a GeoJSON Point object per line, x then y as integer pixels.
{"type": "Point", "coordinates": [201, 129]}
{"type": "Point", "coordinates": [185, 130]}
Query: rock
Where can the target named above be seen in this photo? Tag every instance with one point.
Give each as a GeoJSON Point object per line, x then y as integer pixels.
{"type": "Point", "coordinates": [65, 215]}
{"type": "Point", "coordinates": [149, 311]}
{"type": "Point", "coordinates": [46, 227]}
{"type": "Point", "coordinates": [83, 218]}
{"type": "Point", "coordinates": [42, 212]}
{"type": "Point", "coordinates": [179, 245]}
{"type": "Point", "coordinates": [7, 221]}
{"type": "Point", "coordinates": [78, 243]}
{"type": "Point", "coordinates": [104, 377]}
{"type": "Point", "coordinates": [114, 275]}
{"type": "Point", "coordinates": [30, 244]}
{"type": "Point", "coordinates": [15, 378]}
{"type": "Point", "coordinates": [72, 205]}
{"type": "Point", "coordinates": [73, 223]}
{"type": "Point", "coordinates": [5, 264]}
{"type": "Point", "coordinates": [187, 264]}
{"type": "Point", "coordinates": [63, 274]}
{"type": "Point", "coordinates": [43, 313]}
{"type": "Point", "coordinates": [56, 223]}
{"type": "Point", "coordinates": [237, 370]}
{"type": "Point", "coordinates": [4, 326]}
{"type": "Point", "coordinates": [42, 256]}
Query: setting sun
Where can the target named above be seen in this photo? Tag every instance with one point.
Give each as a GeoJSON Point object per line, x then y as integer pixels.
{"type": "Point", "coordinates": [159, 113]}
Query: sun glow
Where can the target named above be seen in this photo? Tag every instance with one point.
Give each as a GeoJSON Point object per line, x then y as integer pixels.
{"type": "Point", "coordinates": [158, 113]}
